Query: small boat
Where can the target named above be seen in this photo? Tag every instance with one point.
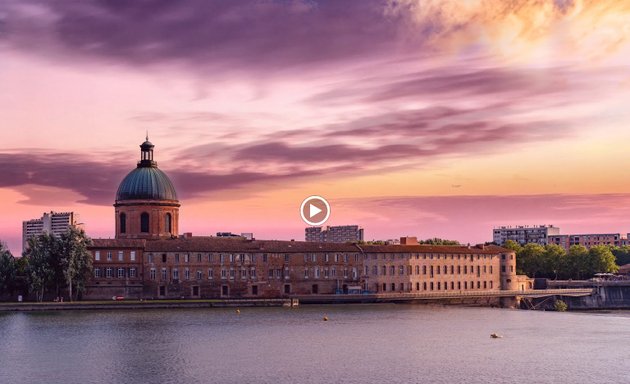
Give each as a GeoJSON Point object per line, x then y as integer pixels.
{"type": "Point", "coordinates": [495, 336]}
{"type": "Point", "coordinates": [325, 318]}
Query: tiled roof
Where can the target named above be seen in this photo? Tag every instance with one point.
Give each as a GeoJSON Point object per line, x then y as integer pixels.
{"type": "Point", "coordinates": [219, 244]}
{"type": "Point", "coordinates": [118, 243]}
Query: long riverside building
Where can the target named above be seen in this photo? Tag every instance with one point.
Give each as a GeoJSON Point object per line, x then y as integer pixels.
{"type": "Point", "coordinates": [149, 260]}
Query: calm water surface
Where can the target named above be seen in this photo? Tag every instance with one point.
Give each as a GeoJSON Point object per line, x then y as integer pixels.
{"type": "Point", "coordinates": [359, 344]}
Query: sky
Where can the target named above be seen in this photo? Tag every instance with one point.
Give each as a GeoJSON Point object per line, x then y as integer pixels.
{"type": "Point", "coordinates": [412, 118]}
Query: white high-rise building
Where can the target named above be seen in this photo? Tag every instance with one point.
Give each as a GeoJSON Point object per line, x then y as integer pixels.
{"type": "Point", "coordinates": [524, 234]}
{"type": "Point", "coordinates": [55, 223]}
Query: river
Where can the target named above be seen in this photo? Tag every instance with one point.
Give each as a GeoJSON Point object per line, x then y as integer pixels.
{"type": "Point", "coordinates": [376, 343]}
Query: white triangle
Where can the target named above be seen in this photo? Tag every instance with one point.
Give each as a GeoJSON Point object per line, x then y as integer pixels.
{"type": "Point", "coordinates": [313, 210]}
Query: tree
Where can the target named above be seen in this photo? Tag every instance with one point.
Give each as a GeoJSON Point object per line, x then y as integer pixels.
{"type": "Point", "coordinates": [530, 259]}
{"type": "Point", "coordinates": [513, 245]}
{"type": "Point", "coordinates": [77, 260]}
{"type": "Point", "coordinates": [438, 241]}
{"type": "Point", "coordinates": [576, 264]}
{"type": "Point", "coordinates": [40, 255]}
{"type": "Point", "coordinates": [622, 254]}
{"type": "Point", "coordinates": [8, 271]}
{"type": "Point", "coordinates": [553, 259]}
{"type": "Point", "coordinates": [601, 260]}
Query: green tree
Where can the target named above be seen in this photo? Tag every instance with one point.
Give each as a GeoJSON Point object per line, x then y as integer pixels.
{"type": "Point", "coordinates": [576, 264]}
{"type": "Point", "coordinates": [530, 259]}
{"type": "Point", "coordinates": [8, 271]}
{"type": "Point", "coordinates": [601, 260]}
{"type": "Point", "coordinates": [438, 241]}
{"type": "Point", "coordinates": [622, 254]}
{"type": "Point", "coordinates": [513, 245]}
{"type": "Point", "coordinates": [40, 253]}
{"type": "Point", "coordinates": [77, 260]}
{"type": "Point", "coordinates": [552, 260]}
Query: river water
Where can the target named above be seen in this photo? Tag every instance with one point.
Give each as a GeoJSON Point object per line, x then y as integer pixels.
{"type": "Point", "coordinates": [377, 343]}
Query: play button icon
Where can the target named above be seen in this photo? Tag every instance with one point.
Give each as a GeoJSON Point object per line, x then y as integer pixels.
{"type": "Point", "coordinates": [315, 210]}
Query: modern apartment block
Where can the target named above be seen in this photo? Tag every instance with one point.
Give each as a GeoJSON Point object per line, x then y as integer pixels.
{"type": "Point", "coordinates": [338, 234]}
{"type": "Point", "coordinates": [524, 234]}
{"type": "Point", "coordinates": [588, 240]}
{"type": "Point", "coordinates": [55, 223]}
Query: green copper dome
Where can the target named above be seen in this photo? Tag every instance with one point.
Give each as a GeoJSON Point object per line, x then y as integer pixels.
{"type": "Point", "coordinates": [146, 182]}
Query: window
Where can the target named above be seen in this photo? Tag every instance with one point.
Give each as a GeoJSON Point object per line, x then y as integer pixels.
{"type": "Point", "coordinates": [264, 257]}
{"type": "Point", "coordinates": [168, 223]}
{"type": "Point", "coordinates": [232, 273]}
{"type": "Point", "coordinates": [384, 270]}
{"type": "Point", "coordinates": [123, 223]}
{"type": "Point", "coordinates": [511, 268]}
{"type": "Point", "coordinates": [314, 258]}
{"type": "Point", "coordinates": [317, 272]}
{"type": "Point", "coordinates": [424, 270]}
{"type": "Point", "coordinates": [210, 258]}
{"type": "Point", "coordinates": [132, 255]}
{"type": "Point", "coordinates": [210, 274]}
{"type": "Point", "coordinates": [243, 273]}
{"type": "Point", "coordinates": [121, 273]}
{"type": "Point", "coordinates": [187, 274]}
{"type": "Point", "coordinates": [144, 222]}
{"type": "Point", "coordinates": [109, 255]}
{"type": "Point", "coordinates": [459, 269]}
{"type": "Point", "coordinates": [503, 268]}
{"type": "Point", "coordinates": [393, 286]}
{"type": "Point", "coordinates": [108, 272]}
{"type": "Point", "coordinates": [392, 270]}
{"type": "Point", "coordinates": [199, 258]}
{"type": "Point", "coordinates": [286, 257]}
{"type": "Point", "coordinates": [401, 270]}
{"type": "Point", "coordinates": [345, 257]}
{"type": "Point", "coordinates": [187, 258]}
{"type": "Point", "coordinates": [175, 274]}
{"type": "Point", "coordinates": [223, 273]}
{"type": "Point", "coordinates": [439, 286]}
{"type": "Point", "coordinates": [334, 271]}
{"type": "Point", "coordinates": [97, 272]}
{"type": "Point", "coordinates": [306, 273]}
{"type": "Point", "coordinates": [354, 273]}
{"type": "Point", "coordinates": [177, 257]}
{"type": "Point", "coordinates": [491, 269]}
{"type": "Point", "coordinates": [375, 270]}
{"type": "Point", "coordinates": [345, 273]}
{"type": "Point", "coordinates": [97, 255]}
{"type": "Point", "coordinates": [326, 273]}
{"type": "Point", "coordinates": [164, 257]}
{"type": "Point", "coordinates": [253, 273]}
{"type": "Point", "coordinates": [152, 274]}
{"type": "Point", "coordinates": [120, 256]}
{"type": "Point", "coordinates": [132, 272]}
{"type": "Point", "coordinates": [327, 258]}
{"type": "Point", "coordinates": [163, 274]}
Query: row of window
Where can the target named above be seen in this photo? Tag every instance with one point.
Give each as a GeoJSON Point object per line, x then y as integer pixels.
{"type": "Point", "coordinates": [144, 222]}
{"type": "Point", "coordinates": [430, 270]}
{"type": "Point", "coordinates": [434, 286]}
{"type": "Point", "coordinates": [253, 258]}
{"type": "Point", "coordinates": [430, 256]}
{"type": "Point", "coordinates": [245, 273]}
{"type": "Point", "coordinates": [120, 273]}
{"type": "Point", "coordinates": [120, 255]}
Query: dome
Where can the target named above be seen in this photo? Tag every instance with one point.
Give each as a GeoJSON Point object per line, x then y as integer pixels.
{"type": "Point", "coordinates": [146, 183]}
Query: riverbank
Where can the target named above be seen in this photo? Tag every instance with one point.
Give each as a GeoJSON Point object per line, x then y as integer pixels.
{"type": "Point", "coordinates": [146, 304]}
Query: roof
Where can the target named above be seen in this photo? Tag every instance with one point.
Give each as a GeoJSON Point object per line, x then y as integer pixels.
{"type": "Point", "coordinates": [223, 244]}
{"type": "Point", "coordinates": [426, 248]}
{"type": "Point", "coordinates": [146, 183]}
{"type": "Point", "coordinates": [117, 243]}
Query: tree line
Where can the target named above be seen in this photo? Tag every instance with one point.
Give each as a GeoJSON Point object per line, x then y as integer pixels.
{"type": "Point", "coordinates": [554, 262]}
{"type": "Point", "coordinates": [49, 267]}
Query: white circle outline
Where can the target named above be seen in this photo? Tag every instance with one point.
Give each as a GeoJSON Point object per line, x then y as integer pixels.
{"type": "Point", "coordinates": [318, 222]}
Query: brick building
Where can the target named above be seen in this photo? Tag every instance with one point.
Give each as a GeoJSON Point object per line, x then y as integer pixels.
{"type": "Point", "coordinates": [148, 259]}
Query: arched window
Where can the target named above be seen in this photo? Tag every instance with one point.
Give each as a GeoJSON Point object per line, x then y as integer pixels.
{"type": "Point", "coordinates": [144, 222]}
{"type": "Point", "coordinates": [123, 223]}
{"type": "Point", "coordinates": [168, 223]}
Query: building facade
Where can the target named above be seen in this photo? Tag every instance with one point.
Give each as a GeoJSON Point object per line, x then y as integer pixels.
{"type": "Point", "coordinates": [148, 259]}
{"type": "Point", "coordinates": [524, 234]}
{"type": "Point", "coordinates": [55, 223]}
{"type": "Point", "coordinates": [335, 234]}
{"type": "Point", "coordinates": [588, 240]}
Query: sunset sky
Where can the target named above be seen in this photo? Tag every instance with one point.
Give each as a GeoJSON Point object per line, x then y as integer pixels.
{"type": "Point", "coordinates": [422, 118]}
